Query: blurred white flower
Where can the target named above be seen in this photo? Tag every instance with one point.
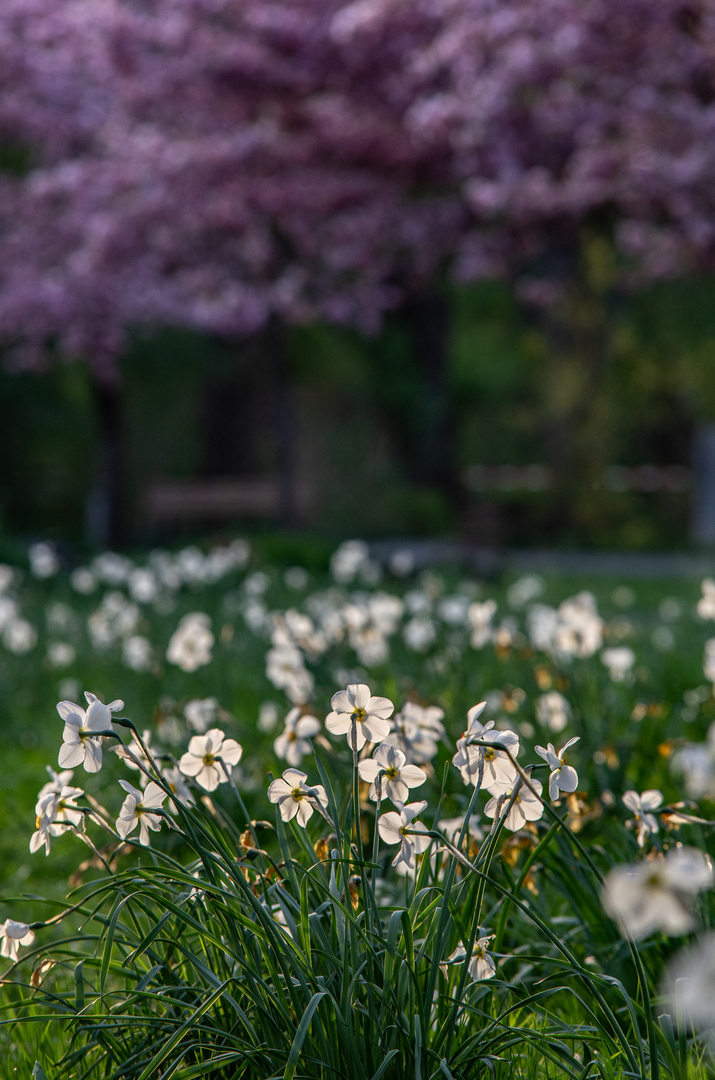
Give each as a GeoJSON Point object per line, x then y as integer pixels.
{"type": "Point", "coordinates": [83, 581]}
{"type": "Point", "coordinates": [286, 671]}
{"type": "Point", "coordinates": [267, 716]}
{"type": "Point", "coordinates": [191, 643]}
{"type": "Point", "coordinates": [292, 744]}
{"type": "Point", "coordinates": [641, 805]}
{"type": "Point", "coordinates": [709, 660]}
{"type": "Point", "coordinates": [657, 894]}
{"type": "Point", "coordinates": [137, 653]}
{"type": "Point", "coordinates": [524, 590]}
{"type": "Point", "coordinates": [200, 713]}
{"type": "Point", "coordinates": [19, 636]}
{"type": "Point", "coordinates": [696, 763]}
{"type": "Point", "coordinates": [143, 586]}
{"type": "Point", "coordinates": [12, 935]}
{"type": "Point", "coordinates": [43, 560]}
{"type": "Point", "coordinates": [137, 810]}
{"type": "Point", "coordinates": [359, 716]}
{"type": "Point", "coordinates": [203, 759]}
{"type": "Point", "coordinates": [81, 744]}
{"type": "Point", "coordinates": [480, 617]}
{"type": "Point", "coordinates": [7, 575]}
{"type": "Point", "coordinates": [689, 986]}
{"type": "Point", "coordinates": [294, 797]}
{"type": "Point", "coordinates": [553, 711]}
{"type": "Point", "coordinates": [346, 562]}
{"type": "Point", "coordinates": [397, 776]}
{"type": "Point", "coordinates": [706, 603]}
{"type": "Point", "coordinates": [60, 654]}
{"type": "Point", "coordinates": [419, 633]}
{"type": "Point", "coordinates": [296, 578]}
{"type": "Point", "coordinates": [400, 827]}
{"type": "Point", "coordinates": [563, 777]}
{"type": "Point", "coordinates": [619, 662]}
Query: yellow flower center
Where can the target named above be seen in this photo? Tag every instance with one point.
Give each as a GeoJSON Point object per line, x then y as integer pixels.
{"type": "Point", "coordinates": [358, 714]}
{"type": "Point", "coordinates": [297, 794]}
{"type": "Point", "coordinates": [209, 759]}
{"type": "Point", "coordinates": [390, 774]}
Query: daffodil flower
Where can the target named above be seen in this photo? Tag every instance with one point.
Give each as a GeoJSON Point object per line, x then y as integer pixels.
{"type": "Point", "coordinates": [295, 798]}
{"type": "Point", "coordinates": [562, 777]}
{"type": "Point", "coordinates": [292, 744]}
{"type": "Point", "coordinates": [397, 776]}
{"type": "Point", "coordinates": [139, 809]}
{"type": "Point", "coordinates": [203, 760]}
{"type": "Point", "coordinates": [481, 964]}
{"type": "Point", "coordinates": [527, 805]}
{"type": "Point", "coordinates": [13, 935]}
{"type": "Point", "coordinates": [360, 716]}
{"type": "Point", "coordinates": [399, 827]}
{"type": "Point", "coordinates": [641, 805]}
{"type": "Point", "coordinates": [82, 744]}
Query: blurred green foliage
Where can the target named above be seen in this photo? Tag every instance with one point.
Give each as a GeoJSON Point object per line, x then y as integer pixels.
{"type": "Point", "coordinates": [604, 379]}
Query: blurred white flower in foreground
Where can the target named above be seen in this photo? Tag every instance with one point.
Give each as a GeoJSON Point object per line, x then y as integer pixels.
{"type": "Point", "coordinates": [689, 985]}
{"type": "Point", "coordinates": [563, 777]}
{"type": "Point", "coordinates": [13, 935]}
{"type": "Point", "coordinates": [657, 894]}
{"type": "Point", "coordinates": [19, 637]}
{"type": "Point", "coordinates": [400, 827]}
{"type": "Point", "coordinates": [203, 759]}
{"type": "Point", "coordinates": [294, 797]}
{"type": "Point", "coordinates": [641, 806]}
{"type": "Point", "coordinates": [397, 776]}
{"type": "Point", "coordinates": [137, 810]}
{"type": "Point", "coordinates": [82, 746]}
{"type": "Point", "coordinates": [292, 744]}
{"type": "Point", "coordinates": [359, 715]}
{"type": "Point", "coordinates": [191, 643]}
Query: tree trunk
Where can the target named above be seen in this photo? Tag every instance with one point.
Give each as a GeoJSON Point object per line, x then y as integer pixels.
{"type": "Point", "coordinates": [105, 518]}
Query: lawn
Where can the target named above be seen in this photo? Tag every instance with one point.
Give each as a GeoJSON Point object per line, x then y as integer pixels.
{"type": "Point", "coordinates": [306, 947]}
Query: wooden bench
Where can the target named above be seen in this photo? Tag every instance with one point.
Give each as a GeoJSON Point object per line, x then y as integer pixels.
{"type": "Point", "coordinates": [219, 499]}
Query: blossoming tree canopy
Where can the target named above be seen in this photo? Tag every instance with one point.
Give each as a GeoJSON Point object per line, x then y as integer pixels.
{"type": "Point", "coordinates": [215, 164]}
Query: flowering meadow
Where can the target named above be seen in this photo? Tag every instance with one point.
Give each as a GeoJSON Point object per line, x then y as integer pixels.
{"type": "Point", "coordinates": [370, 822]}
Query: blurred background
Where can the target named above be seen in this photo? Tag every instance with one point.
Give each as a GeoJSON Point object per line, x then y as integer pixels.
{"type": "Point", "coordinates": [381, 268]}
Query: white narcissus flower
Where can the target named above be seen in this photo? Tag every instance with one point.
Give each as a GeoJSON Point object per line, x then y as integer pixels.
{"type": "Point", "coordinates": [191, 643]}
{"type": "Point", "coordinates": [138, 809]}
{"type": "Point", "coordinates": [82, 746]}
{"type": "Point", "coordinates": [657, 894]}
{"type": "Point", "coordinates": [292, 744]}
{"type": "Point", "coordinates": [562, 777]}
{"type": "Point", "coordinates": [14, 934]}
{"type": "Point", "coordinates": [56, 813]}
{"type": "Point", "coordinates": [641, 805]}
{"type": "Point", "coordinates": [203, 759]}
{"type": "Point", "coordinates": [499, 773]}
{"type": "Point", "coordinates": [360, 716]}
{"type": "Point", "coordinates": [399, 827]}
{"type": "Point", "coordinates": [175, 781]}
{"type": "Point", "coordinates": [481, 964]}
{"type": "Point", "coordinates": [294, 797]}
{"type": "Point", "coordinates": [397, 776]}
{"type": "Point", "coordinates": [527, 806]}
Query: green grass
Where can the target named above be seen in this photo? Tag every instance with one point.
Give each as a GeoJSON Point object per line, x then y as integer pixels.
{"type": "Point", "coordinates": [154, 979]}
